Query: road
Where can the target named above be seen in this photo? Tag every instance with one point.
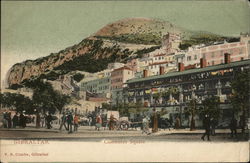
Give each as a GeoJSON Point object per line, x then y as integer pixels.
{"type": "Point", "coordinates": [90, 134]}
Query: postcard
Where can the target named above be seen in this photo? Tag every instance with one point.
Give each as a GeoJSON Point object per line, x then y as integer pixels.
{"type": "Point", "coordinates": [125, 81]}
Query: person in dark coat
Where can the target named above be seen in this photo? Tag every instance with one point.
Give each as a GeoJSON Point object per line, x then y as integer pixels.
{"type": "Point", "coordinates": [22, 121]}
{"type": "Point", "coordinates": [9, 120]}
{"type": "Point", "coordinates": [233, 127]}
{"type": "Point", "coordinates": [38, 120]}
{"type": "Point", "coordinates": [206, 124]}
{"type": "Point", "coordinates": [63, 122]}
{"type": "Point", "coordinates": [70, 122]}
{"type": "Point", "coordinates": [15, 120]}
{"type": "Point", "coordinates": [5, 121]}
{"type": "Point", "coordinates": [49, 120]}
{"type": "Point", "coordinates": [213, 125]}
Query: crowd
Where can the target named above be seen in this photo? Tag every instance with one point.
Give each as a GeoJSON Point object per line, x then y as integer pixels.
{"type": "Point", "coordinates": [70, 121]}
{"type": "Point", "coordinates": [19, 119]}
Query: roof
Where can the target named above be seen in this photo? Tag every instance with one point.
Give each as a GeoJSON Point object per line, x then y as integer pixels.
{"type": "Point", "coordinates": [123, 68]}
{"type": "Point", "coordinates": [157, 55]}
{"type": "Point", "coordinates": [209, 68]}
{"type": "Point", "coordinates": [158, 63]}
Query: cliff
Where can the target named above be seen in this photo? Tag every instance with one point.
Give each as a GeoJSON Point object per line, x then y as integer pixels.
{"type": "Point", "coordinates": [117, 41]}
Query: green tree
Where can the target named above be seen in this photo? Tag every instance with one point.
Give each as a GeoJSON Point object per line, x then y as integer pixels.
{"type": "Point", "coordinates": [192, 110]}
{"type": "Point", "coordinates": [46, 98]}
{"type": "Point", "coordinates": [211, 107]}
{"type": "Point", "coordinates": [78, 77]}
{"type": "Point", "coordinates": [16, 101]}
{"type": "Point", "coordinates": [240, 95]}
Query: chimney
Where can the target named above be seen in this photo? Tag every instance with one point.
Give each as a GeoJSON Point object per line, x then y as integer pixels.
{"type": "Point", "coordinates": [203, 63]}
{"type": "Point", "coordinates": [227, 58]}
{"type": "Point", "coordinates": [181, 67]}
{"type": "Point", "coordinates": [145, 73]}
{"type": "Point", "coordinates": [161, 70]}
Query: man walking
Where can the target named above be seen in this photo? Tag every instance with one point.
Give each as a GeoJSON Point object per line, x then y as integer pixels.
{"type": "Point", "coordinates": [63, 122]}
{"type": "Point", "coordinates": [76, 120]}
{"type": "Point", "coordinates": [15, 120]}
{"type": "Point", "coordinates": [98, 122]}
{"type": "Point", "coordinates": [206, 124]}
{"type": "Point", "coordinates": [233, 127]}
{"type": "Point", "coordinates": [38, 120]}
{"type": "Point", "coordinates": [49, 120]}
{"type": "Point", "coordinates": [70, 122]}
{"type": "Point", "coordinates": [145, 125]}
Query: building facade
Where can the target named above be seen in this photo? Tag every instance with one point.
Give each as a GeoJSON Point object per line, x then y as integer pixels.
{"type": "Point", "coordinates": [176, 89]}
{"type": "Point", "coordinates": [214, 54]}
{"type": "Point", "coordinates": [118, 79]}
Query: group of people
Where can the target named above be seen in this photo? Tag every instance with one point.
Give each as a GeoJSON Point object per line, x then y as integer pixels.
{"type": "Point", "coordinates": [19, 119]}
{"type": "Point", "coordinates": [68, 121]}
{"type": "Point", "coordinates": [99, 122]}
{"type": "Point", "coordinates": [209, 125]}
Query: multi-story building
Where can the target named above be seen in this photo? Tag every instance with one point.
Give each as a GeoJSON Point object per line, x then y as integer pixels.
{"type": "Point", "coordinates": [177, 88]}
{"type": "Point", "coordinates": [214, 54]}
{"type": "Point", "coordinates": [118, 79]}
{"type": "Point", "coordinates": [159, 68]}
{"type": "Point", "coordinates": [133, 64]}
{"type": "Point", "coordinates": [99, 86]}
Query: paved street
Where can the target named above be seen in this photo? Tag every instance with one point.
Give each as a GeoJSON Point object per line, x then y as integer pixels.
{"type": "Point", "coordinates": [87, 133]}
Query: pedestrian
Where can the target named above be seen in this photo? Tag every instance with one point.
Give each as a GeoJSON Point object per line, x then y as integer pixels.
{"type": "Point", "coordinates": [38, 120]}
{"type": "Point", "coordinates": [233, 127]}
{"type": "Point", "coordinates": [63, 122]}
{"type": "Point", "coordinates": [9, 119]}
{"type": "Point", "coordinates": [111, 122]}
{"type": "Point", "coordinates": [177, 122]}
{"type": "Point", "coordinates": [5, 121]}
{"type": "Point", "coordinates": [242, 123]}
{"type": "Point", "coordinates": [213, 125]}
{"type": "Point", "coordinates": [48, 121]}
{"type": "Point", "coordinates": [155, 121]}
{"type": "Point", "coordinates": [145, 125]}
{"type": "Point", "coordinates": [15, 120]}
{"type": "Point", "coordinates": [206, 124]}
{"type": "Point", "coordinates": [43, 120]}
{"type": "Point", "coordinates": [98, 122]}
{"type": "Point", "coordinates": [70, 122]}
{"type": "Point", "coordinates": [22, 120]}
{"type": "Point", "coordinates": [76, 120]}
{"type": "Point", "coordinates": [90, 120]}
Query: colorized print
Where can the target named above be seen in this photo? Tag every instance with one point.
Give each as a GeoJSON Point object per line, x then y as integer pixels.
{"type": "Point", "coordinates": [125, 81]}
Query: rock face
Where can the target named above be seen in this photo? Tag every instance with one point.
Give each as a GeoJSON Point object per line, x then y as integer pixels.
{"type": "Point", "coordinates": [114, 42]}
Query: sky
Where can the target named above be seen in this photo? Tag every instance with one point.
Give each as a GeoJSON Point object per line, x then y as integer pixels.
{"type": "Point", "coordinates": [34, 29]}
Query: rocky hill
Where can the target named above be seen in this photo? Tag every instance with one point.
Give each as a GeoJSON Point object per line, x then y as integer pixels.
{"type": "Point", "coordinates": [117, 41]}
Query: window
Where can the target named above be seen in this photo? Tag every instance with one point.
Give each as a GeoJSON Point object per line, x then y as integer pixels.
{"type": "Point", "coordinates": [204, 55]}
{"type": "Point", "coordinates": [241, 50]}
{"type": "Point", "coordinates": [189, 58]}
{"type": "Point", "coordinates": [212, 54]}
{"type": "Point", "coordinates": [221, 53]}
{"type": "Point", "coordinates": [242, 58]}
{"type": "Point", "coordinates": [128, 72]}
{"type": "Point", "coordinates": [212, 62]}
{"type": "Point", "coordinates": [195, 57]}
{"type": "Point", "coordinates": [221, 61]}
